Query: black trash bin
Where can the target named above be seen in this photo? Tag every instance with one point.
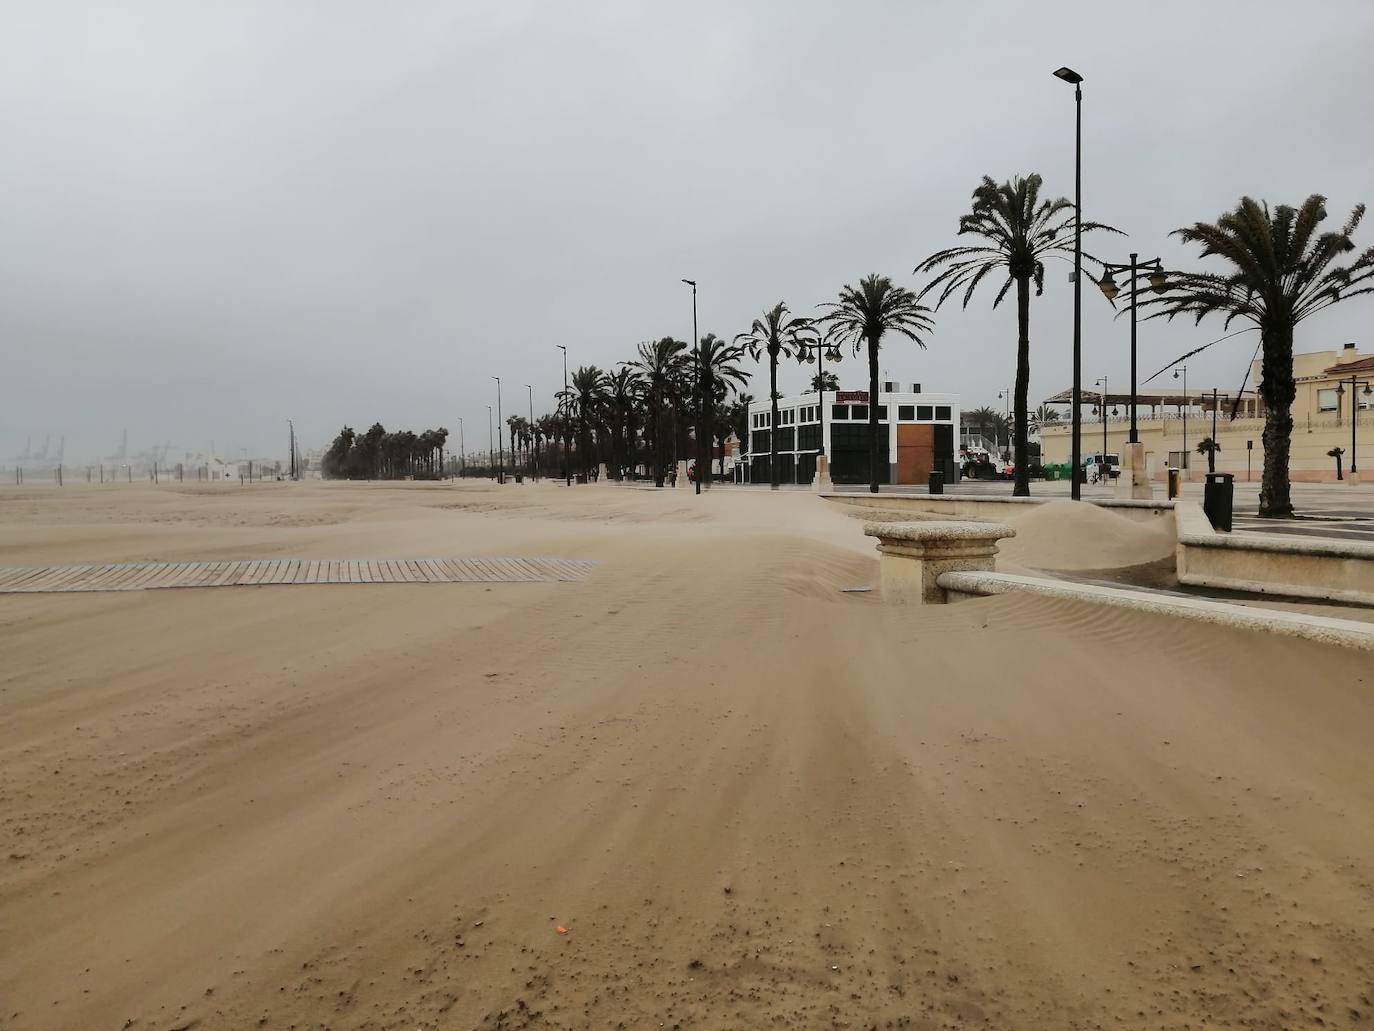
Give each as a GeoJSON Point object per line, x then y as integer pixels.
{"type": "Point", "coordinates": [1217, 496]}
{"type": "Point", "coordinates": [936, 481]}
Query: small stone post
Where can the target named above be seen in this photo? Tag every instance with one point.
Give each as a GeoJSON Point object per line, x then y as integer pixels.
{"type": "Point", "coordinates": [821, 481]}
{"type": "Point", "coordinates": [913, 555]}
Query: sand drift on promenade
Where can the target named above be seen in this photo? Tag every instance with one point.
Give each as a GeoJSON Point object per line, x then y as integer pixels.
{"type": "Point", "coordinates": [746, 796]}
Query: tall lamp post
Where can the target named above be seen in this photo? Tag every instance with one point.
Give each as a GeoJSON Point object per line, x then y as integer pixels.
{"type": "Point", "coordinates": [500, 453]}
{"type": "Point", "coordinates": [701, 389]}
{"type": "Point", "coordinates": [1102, 404]}
{"type": "Point", "coordinates": [1073, 78]}
{"type": "Point", "coordinates": [1354, 410]}
{"type": "Point", "coordinates": [462, 449]}
{"type": "Point", "coordinates": [491, 444]}
{"type": "Point", "coordinates": [567, 469]}
{"type": "Point", "coordinates": [808, 352]}
{"type": "Point", "coordinates": [1005, 395]}
{"type": "Point", "coordinates": [534, 467]}
{"type": "Point", "coordinates": [1186, 464]}
{"type": "Point", "coordinates": [1110, 290]}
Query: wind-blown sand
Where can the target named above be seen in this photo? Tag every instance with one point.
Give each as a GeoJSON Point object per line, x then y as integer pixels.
{"type": "Point", "coordinates": [1070, 536]}
{"type": "Point", "coordinates": [748, 797]}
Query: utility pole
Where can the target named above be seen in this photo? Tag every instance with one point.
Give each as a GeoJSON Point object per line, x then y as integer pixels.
{"type": "Point", "coordinates": [567, 468]}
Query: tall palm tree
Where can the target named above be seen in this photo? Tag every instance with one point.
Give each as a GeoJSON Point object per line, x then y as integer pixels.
{"type": "Point", "coordinates": [660, 364]}
{"type": "Point", "coordinates": [863, 316]}
{"type": "Point", "coordinates": [1019, 231]}
{"type": "Point", "coordinates": [1280, 273]}
{"type": "Point", "coordinates": [825, 381]}
{"type": "Point", "coordinates": [622, 403]}
{"type": "Point", "coordinates": [717, 363]}
{"type": "Point", "coordinates": [777, 334]}
{"type": "Point", "coordinates": [587, 399]}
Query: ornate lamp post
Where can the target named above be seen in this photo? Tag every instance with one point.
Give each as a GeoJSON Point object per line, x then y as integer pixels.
{"type": "Point", "coordinates": [1110, 290]}
{"type": "Point", "coordinates": [807, 353]}
{"type": "Point", "coordinates": [1354, 410]}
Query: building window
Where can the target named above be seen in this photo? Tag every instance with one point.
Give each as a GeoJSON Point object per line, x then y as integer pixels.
{"type": "Point", "coordinates": [1328, 400]}
{"type": "Point", "coordinates": [906, 413]}
{"type": "Point", "coordinates": [889, 387]}
{"type": "Point", "coordinates": [809, 438]}
{"type": "Point", "coordinates": [924, 413]}
{"type": "Point", "coordinates": [859, 412]}
{"type": "Point", "coordinates": [942, 413]}
{"type": "Point", "coordinates": [839, 411]}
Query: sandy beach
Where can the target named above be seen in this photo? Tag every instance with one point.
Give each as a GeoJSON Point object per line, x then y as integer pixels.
{"type": "Point", "coordinates": [708, 787]}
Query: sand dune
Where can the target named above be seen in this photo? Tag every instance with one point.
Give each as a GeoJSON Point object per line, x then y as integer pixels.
{"type": "Point", "coordinates": [748, 797]}
{"type": "Point", "coordinates": [1065, 535]}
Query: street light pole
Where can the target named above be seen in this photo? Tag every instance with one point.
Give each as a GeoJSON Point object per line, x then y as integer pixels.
{"type": "Point", "coordinates": [1110, 290]}
{"type": "Point", "coordinates": [701, 388]}
{"type": "Point", "coordinates": [500, 453]}
{"type": "Point", "coordinates": [1102, 403]}
{"type": "Point", "coordinates": [1184, 370]}
{"type": "Point", "coordinates": [462, 449]}
{"type": "Point", "coordinates": [1005, 395]}
{"type": "Point", "coordinates": [567, 469]}
{"type": "Point", "coordinates": [1072, 77]}
{"type": "Point", "coordinates": [491, 444]}
{"type": "Point", "coordinates": [534, 467]}
{"type": "Point", "coordinates": [1354, 412]}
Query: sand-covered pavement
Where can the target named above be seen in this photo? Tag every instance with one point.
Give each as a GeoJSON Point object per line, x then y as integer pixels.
{"type": "Point", "coordinates": [748, 797]}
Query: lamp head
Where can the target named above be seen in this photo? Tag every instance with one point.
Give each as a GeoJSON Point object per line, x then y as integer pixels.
{"type": "Point", "coordinates": [1068, 75]}
{"type": "Point", "coordinates": [1108, 287]}
{"type": "Point", "coordinates": [1158, 281]}
{"type": "Point", "coordinates": [834, 354]}
{"type": "Point", "coordinates": [1340, 390]}
{"type": "Point", "coordinates": [691, 282]}
{"type": "Point", "coordinates": [1367, 391]}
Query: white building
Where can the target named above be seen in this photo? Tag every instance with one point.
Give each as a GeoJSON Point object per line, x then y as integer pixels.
{"type": "Point", "coordinates": [922, 437]}
{"type": "Point", "coordinates": [217, 469]}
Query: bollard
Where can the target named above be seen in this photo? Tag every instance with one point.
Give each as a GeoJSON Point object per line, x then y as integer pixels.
{"type": "Point", "coordinates": [1175, 486]}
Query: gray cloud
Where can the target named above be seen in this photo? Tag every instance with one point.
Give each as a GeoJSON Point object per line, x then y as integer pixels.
{"type": "Point", "coordinates": [216, 216]}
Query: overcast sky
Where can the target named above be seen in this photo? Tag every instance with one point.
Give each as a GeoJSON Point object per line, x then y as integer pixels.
{"type": "Point", "coordinates": [216, 216]}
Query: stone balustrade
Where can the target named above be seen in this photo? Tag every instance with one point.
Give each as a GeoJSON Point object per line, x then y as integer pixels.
{"type": "Point", "coordinates": [914, 555]}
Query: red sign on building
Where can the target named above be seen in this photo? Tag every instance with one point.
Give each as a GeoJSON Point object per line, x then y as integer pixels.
{"type": "Point", "coordinates": [845, 396]}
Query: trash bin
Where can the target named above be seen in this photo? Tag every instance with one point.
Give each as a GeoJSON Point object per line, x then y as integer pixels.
{"type": "Point", "coordinates": [1174, 484]}
{"type": "Point", "coordinates": [1217, 496]}
{"type": "Point", "coordinates": [519, 477]}
{"type": "Point", "coordinates": [936, 482]}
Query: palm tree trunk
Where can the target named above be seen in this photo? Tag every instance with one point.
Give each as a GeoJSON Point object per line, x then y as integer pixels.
{"type": "Point", "coordinates": [873, 416]}
{"type": "Point", "coordinates": [773, 425]}
{"type": "Point", "coordinates": [705, 417]}
{"type": "Point", "coordinates": [1278, 390]}
{"type": "Point", "coordinates": [1021, 488]}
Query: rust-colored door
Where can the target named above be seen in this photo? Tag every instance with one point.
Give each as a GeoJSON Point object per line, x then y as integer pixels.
{"type": "Point", "coordinates": [915, 452]}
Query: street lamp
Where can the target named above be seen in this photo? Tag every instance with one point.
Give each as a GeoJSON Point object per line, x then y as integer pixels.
{"type": "Point", "coordinates": [567, 469]}
{"type": "Point", "coordinates": [534, 468]}
{"type": "Point", "coordinates": [1354, 410]}
{"type": "Point", "coordinates": [808, 352]}
{"type": "Point", "coordinates": [1102, 404]}
{"type": "Point", "coordinates": [1005, 395]}
{"type": "Point", "coordinates": [701, 388]}
{"type": "Point", "coordinates": [1184, 369]}
{"type": "Point", "coordinates": [1109, 290]}
{"type": "Point", "coordinates": [500, 453]}
{"type": "Point", "coordinates": [1074, 79]}
{"type": "Point", "coordinates": [462, 450]}
{"type": "Point", "coordinates": [491, 444]}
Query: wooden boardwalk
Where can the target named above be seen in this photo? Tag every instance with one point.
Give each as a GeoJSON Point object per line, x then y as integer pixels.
{"type": "Point", "coordinates": [148, 576]}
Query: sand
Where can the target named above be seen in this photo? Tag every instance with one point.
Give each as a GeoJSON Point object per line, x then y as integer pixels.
{"type": "Point", "coordinates": [748, 797]}
{"type": "Point", "coordinates": [1068, 536]}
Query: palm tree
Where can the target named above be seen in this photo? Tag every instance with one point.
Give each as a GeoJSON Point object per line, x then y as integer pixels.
{"type": "Point", "coordinates": [1020, 231]}
{"type": "Point", "coordinates": [718, 364]}
{"type": "Point", "coordinates": [622, 403]}
{"type": "Point", "coordinates": [988, 422]}
{"type": "Point", "coordinates": [862, 317]}
{"type": "Point", "coordinates": [1042, 417]}
{"type": "Point", "coordinates": [660, 365]}
{"type": "Point", "coordinates": [777, 334]}
{"type": "Point", "coordinates": [825, 381]}
{"type": "Point", "coordinates": [587, 400]}
{"type": "Point", "coordinates": [1281, 273]}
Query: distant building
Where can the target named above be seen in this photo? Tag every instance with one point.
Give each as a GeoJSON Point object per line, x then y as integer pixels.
{"type": "Point", "coordinates": [218, 469]}
{"type": "Point", "coordinates": [1322, 412]}
{"type": "Point", "coordinates": [917, 433]}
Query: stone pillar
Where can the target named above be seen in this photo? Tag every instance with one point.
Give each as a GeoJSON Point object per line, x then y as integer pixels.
{"type": "Point", "coordinates": [913, 555]}
{"type": "Point", "coordinates": [820, 483]}
{"type": "Point", "coordinates": [1134, 481]}
{"type": "Point", "coordinates": [682, 480]}
{"type": "Point", "coordinates": [601, 476]}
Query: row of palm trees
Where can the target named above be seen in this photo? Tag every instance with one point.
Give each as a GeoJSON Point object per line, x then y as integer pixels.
{"type": "Point", "coordinates": [1279, 270]}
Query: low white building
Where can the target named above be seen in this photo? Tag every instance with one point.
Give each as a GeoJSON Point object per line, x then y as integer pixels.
{"type": "Point", "coordinates": [218, 469]}
{"type": "Point", "coordinates": [918, 433]}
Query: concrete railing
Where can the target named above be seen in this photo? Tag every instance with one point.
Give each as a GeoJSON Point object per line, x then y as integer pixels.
{"type": "Point", "coordinates": [1271, 564]}
{"type": "Point", "coordinates": [985, 508]}
{"type": "Point", "coordinates": [913, 556]}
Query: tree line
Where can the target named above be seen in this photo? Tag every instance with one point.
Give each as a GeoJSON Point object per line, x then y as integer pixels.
{"type": "Point", "coordinates": [380, 455]}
